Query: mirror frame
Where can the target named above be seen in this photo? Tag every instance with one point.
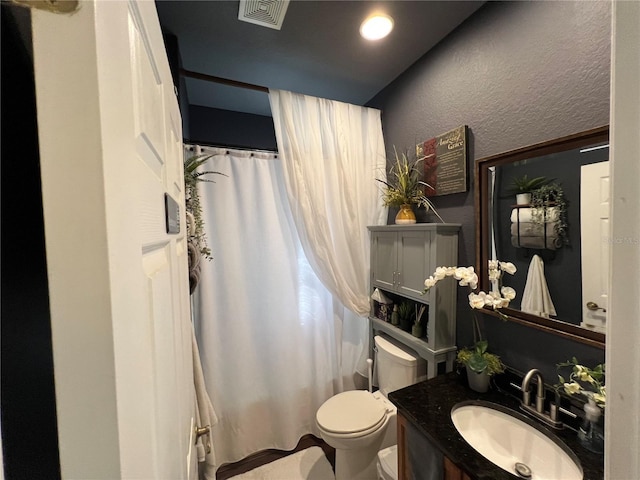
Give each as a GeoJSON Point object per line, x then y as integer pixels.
{"type": "Point", "coordinates": [569, 142]}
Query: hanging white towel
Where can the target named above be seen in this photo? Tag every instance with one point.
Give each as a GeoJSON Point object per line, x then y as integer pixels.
{"type": "Point", "coordinates": [205, 415]}
{"type": "Point", "coordinates": [536, 298]}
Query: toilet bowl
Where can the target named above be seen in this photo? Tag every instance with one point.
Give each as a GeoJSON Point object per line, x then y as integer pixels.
{"type": "Point", "coordinates": [387, 465]}
{"type": "Point", "coordinates": [359, 424]}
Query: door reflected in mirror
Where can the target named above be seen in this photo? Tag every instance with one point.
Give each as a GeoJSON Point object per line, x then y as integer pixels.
{"type": "Point", "coordinates": [558, 240]}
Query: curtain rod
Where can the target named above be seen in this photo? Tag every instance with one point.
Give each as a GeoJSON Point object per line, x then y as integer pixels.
{"type": "Point", "coordinates": [224, 81]}
{"type": "Point", "coordinates": [190, 146]}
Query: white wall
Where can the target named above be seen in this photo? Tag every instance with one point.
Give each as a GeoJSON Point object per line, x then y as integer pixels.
{"type": "Point", "coordinates": [623, 332]}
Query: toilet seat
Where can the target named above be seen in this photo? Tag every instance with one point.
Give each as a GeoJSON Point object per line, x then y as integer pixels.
{"type": "Point", "coordinates": [353, 413]}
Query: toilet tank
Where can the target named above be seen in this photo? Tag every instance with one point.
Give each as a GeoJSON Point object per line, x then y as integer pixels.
{"type": "Point", "coordinates": [397, 365]}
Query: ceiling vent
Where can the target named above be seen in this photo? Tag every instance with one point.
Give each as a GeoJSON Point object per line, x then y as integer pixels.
{"type": "Point", "coordinates": [267, 13]}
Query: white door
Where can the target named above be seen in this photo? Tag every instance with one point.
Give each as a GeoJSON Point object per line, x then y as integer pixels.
{"type": "Point", "coordinates": [594, 238]}
{"type": "Point", "coordinates": [110, 143]}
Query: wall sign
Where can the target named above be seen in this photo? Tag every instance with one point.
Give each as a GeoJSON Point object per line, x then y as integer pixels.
{"type": "Point", "coordinates": [445, 165]}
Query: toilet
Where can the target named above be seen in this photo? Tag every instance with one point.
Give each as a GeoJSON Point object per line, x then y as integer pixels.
{"type": "Point", "coordinates": [360, 424]}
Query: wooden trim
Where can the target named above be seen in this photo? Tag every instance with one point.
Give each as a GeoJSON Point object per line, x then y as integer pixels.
{"type": "Point", "coordinates": [452, 471]}
{"type": "Point", "coordinates": [222, 81]}
{"type": "Point", "coordinates": [404, 466]}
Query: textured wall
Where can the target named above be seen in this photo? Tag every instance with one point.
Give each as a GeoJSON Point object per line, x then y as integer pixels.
{"type": "Point", "coordinates": [516, 73]}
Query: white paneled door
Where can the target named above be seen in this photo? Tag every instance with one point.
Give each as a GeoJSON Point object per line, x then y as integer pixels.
{"type": "Point", "coordinates": [595, 193]}
{"type": "Point", "coordinates": [110, 141]}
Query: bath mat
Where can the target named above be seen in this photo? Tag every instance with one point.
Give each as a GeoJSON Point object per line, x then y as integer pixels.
{"type": "Point", "coordinates": [308, 464]}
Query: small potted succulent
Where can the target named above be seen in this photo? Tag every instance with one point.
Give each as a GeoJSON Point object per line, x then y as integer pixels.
{"type": "Point", "coordinates": [480, 364]}
{"type": "Point", "coordinates": [405, 313]}
{"type": "Point", "coordinates": [523, 186]}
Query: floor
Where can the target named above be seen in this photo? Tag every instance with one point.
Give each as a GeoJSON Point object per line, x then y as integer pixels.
{"type": "Point", "coordinates": [266, 456]}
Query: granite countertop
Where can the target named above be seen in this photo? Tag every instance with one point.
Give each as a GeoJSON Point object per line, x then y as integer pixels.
{"type": "Point", "coordinates": [428, 406]}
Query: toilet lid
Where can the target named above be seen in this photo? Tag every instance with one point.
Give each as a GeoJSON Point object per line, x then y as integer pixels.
{"type": "Point", "coordinates": [350, 412]}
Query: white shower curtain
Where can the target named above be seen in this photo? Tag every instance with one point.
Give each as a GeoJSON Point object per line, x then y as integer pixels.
{"type": "Point", "coordinates": [271, 335]}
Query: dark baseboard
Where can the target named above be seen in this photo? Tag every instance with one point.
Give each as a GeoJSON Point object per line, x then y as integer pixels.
{"type": "Point", "coordinates": [266, 456]}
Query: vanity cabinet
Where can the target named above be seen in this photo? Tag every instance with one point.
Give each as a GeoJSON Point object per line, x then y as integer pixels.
{"type": "Point", "coordinates": [430, 447]}
{"type": "Point", "coordinates": [402, 257]}
{"type": "Point", "coordinates": [419, 459]}
{"type": "Point", "coordinates": [452, 471]}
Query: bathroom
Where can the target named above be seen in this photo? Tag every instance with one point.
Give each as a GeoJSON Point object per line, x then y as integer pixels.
{"type": "Point", "coordinates": [473, 100]}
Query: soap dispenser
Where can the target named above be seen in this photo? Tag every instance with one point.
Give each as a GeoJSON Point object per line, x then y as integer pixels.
{"type": "Point", "coordinates": [591, 435]}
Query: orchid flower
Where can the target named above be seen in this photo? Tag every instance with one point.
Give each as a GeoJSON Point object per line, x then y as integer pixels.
{"type": "Point", "coordinates": [466, 276]}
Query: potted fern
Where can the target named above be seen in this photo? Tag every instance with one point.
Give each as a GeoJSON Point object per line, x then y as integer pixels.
{"type": "Point", "coordinates": [192, 201]}
{"type": "Point", "coordinates": [196, 238]}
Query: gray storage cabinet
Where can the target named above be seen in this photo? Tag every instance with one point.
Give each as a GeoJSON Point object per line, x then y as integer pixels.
{"type": "Point", "coordinates": [402, 257]}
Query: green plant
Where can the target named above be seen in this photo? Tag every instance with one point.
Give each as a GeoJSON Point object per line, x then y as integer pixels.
{"type": "Point", "coordinates": [524, 184]}
{"type": "Point", "coordinates": [583, 380]}
{"type": "Point", "coordinates": [551, 196]}
{"type": "Point", "coordinates": [192, 200]}
{"type": "Point", "coordinates": [405, 311]}
{"type": "Point", "coordinates": [405, 186]}
{"type": "Point", "coordinates": [479, 360]}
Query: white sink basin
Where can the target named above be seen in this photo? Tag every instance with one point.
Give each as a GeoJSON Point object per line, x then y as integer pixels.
{"type": "Point", "coordinates": [513, 444]}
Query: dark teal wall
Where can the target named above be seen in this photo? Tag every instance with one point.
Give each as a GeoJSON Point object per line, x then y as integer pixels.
{"type": "Point", "coordinates": [212, 126]}
{"type": "Point", "coordinates": [175, 64]}
{"type": "Point", "coordinates": [516, 73]}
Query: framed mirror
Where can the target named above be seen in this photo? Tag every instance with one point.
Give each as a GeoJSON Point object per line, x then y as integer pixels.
{"type": "Point", "coordinates": [558, 241]}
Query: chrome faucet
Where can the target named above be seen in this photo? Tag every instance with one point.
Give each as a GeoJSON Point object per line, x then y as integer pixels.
{"type": "Point", "coordinates": [537, 411]}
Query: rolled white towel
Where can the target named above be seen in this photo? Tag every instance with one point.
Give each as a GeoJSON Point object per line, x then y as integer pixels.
{"type": "Point", "coordinates": [552, 243]}
{"type": "Point", "coordinates": [528, 229]}
{"type": "Point", "coordinates": [551, 214]}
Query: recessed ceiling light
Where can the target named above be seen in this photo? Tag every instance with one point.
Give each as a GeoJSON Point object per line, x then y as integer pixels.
{"type": "Point", "coordinates": [376, 27]}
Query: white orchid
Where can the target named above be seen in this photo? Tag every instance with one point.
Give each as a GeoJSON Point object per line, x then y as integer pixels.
{"type": "Point", "coordinates": [496, 299]}
{"type": "Point", "coordinates": [440, 273]}
{"type": "Point", "coordinates": [430, 282]}
{"type": "Point", "coordinates": [477, 300]}
{"type": "Point", "coordinates": [467, 277]}
{"type": "Point", "coordinates": [508, 267]}
{"type": "Point", "coordinates": [508, 293]}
